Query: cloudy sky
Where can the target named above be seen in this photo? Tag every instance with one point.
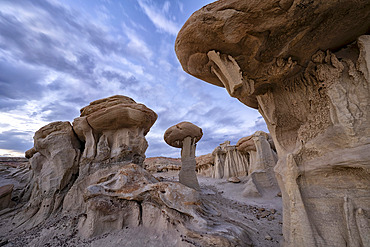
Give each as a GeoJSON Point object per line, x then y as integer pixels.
{"type": "Point", "coordinates": [57, 56]}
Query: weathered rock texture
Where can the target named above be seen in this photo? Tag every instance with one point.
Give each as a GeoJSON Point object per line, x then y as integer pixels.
{"type": "Point", "coordinates": [185, 135]}
{"type": "Point", "coordinates": [162, 164]}
{"type": "Point", "coordinates": [6, 196]}
{"type": "Point", "coordinates": [262, 159]}
{"type": "Point", "coordinates": [15, 171]}
{"type": "Point", "coordinates": [305, 66]}
{"type": "Point", "coordinates": [54, 167]}
{"type": "Point", "coordinates": [113, 132]}
{"type": "Point", "coordinates": [205, 164]}
{"type": "Point", "coordinates": [114, 129]}
{"type": "Point", "coordinates": [132, 197]}
{"type": "Point", "coordinates": [229, 162]}
{"type": "Point", "coordinates": [65, 160]}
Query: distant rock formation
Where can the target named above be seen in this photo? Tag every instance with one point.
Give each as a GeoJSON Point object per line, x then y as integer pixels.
{"type": "Point", "coordinates": [228, 162]}
{"type": "Point", "coordinates": [253, 156]}
{"type": "Point", "coordinates": [162, 164]}
{"type": "Point", "coordinates": [262, 159]}
{"type": "Point", "coordinates": [305, 66]}
{"type": "Point", "coordinates": [205, 164]}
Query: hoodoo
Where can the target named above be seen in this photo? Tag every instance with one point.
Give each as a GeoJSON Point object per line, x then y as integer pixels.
{"type": "Point", "coordinates": [185, 135]}
{"type": "Point", "coordinates": [305, 66]}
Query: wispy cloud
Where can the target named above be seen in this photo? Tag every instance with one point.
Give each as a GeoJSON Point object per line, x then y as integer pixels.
{"type": "Point", "coordinates": [158, 17]}
{"type": "Point", "coordinates": [55, 59]}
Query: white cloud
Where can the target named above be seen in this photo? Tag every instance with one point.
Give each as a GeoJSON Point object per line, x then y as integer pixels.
{"type": "Point", "coordinates": [158, 18]}
{"type": "Point", "coordinates": [166, 7]}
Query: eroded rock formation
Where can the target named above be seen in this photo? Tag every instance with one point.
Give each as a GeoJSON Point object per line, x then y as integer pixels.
{"type": "Point", "coordinates": [229, 162]}
{"type": "Point", "coordinates": [133, 197]}
{"type": "Point", "coordinates": [262, 159]}
{"type": "Point", "coordinates": [54, 167]}
{"type": "Point", "coordinates": [114, 129]}
{"type": "Point", "coordinates": [113, 132]}
{"type": "Point", "coordinates": [6, 196]}
{"type": "Point", "coordinates": [185, 135]}
{"type": "Point", "coordinates": [305, 66]}
{"type": "Point", "coordinates": [162, 164]}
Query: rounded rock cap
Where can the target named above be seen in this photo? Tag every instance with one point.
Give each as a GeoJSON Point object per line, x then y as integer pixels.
{"type": "Point", "coordinates": [117, 112]}
{"type": "Point", "coordinates": [175, 135]}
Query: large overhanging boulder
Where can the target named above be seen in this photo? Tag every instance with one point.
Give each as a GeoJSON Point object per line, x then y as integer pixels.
{"type": "Point", "coordinates": [260, 42]}
{"type": "Point", "coordinates": [305, 66]}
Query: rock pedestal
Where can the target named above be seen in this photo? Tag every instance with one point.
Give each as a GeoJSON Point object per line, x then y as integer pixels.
{"type": "Point", "coordinates": [185, 135]}
{"type": "Point", "coordinates": [187, 174]}
{"type": "Point", "coordinates": [306, 68]}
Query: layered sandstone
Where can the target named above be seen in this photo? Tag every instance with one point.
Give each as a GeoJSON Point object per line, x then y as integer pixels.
{"type": "Point", "coordinates": [113, 132]}
{"type": "Point", "coordinates": [132, 197]}
{"type": "Point", "coordinates": [54, 167]}
{"type": "Point", "coordinates": [114, 129]}
{"type": "Point", "coordinates": [305, 66]}
{"type": "Point", "coordinates": [262, 160]}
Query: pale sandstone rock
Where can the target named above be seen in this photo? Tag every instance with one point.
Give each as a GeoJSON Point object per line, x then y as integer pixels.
{"type": "Point", "coordinates": [233, 180]}
{"type": "Point", "coordinates": [262, 160]}
{"type": "Point", "coordinates": [185, 135]}
{"type": "Point", "coordinates": [113, 131]}
{"type": "Point", "coordinates": [229, 162]}
{"type": "Point", "coordinates": [133, 197]}
{"type": "Point", "coordinates": [205, 164]}
{"type": "Point", "coordinates": [6, 196]}
{"type": "Point", "coordinates": [54, 166]}
{"type": "Point", "coordinates": [284, 59]}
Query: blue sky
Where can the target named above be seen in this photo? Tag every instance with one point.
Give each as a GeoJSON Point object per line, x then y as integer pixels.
{"type": "Point", "coordinates": [57, 56]}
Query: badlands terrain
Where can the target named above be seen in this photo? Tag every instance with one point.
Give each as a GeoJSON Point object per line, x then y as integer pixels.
{"type": "Point", "coordinates": [304, 65]}
{"type": "Point", "coordinates": [260, 217]}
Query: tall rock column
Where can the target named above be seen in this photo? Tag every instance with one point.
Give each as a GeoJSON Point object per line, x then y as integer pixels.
{"type": "Point", "coordinates": [185, 135]}
{"type": "Point", "coordinates": [305, 66]}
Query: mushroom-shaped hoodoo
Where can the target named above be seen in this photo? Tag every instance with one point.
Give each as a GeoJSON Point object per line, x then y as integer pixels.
{"type": "Point", "coordinates": [247, 46]}
{"type": "Point", "coordinates": [113, 129]}
{"type": "Point", "coordinates": [305, 66]}
{"type": "Point", "coordinates": [185, 135]}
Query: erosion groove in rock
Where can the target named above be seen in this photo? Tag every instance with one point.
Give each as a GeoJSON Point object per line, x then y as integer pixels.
{"type": "Point", "coordinates": [305, 67]}
{"type": "Point", "coordinates": [54, 166]}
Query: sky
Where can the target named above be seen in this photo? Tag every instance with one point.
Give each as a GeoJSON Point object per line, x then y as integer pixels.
{"type": "Point", "coordinates": [58, 56]}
